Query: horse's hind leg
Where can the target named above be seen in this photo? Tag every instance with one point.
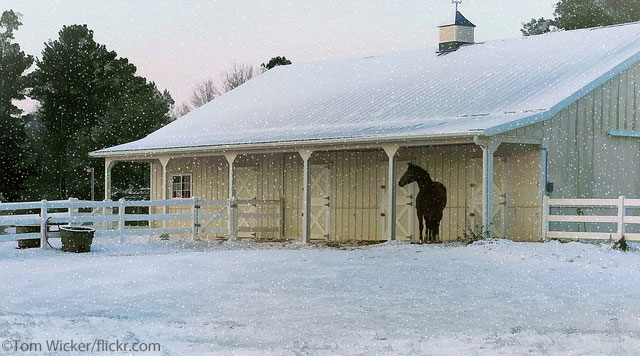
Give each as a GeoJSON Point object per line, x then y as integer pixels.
{"type": "Point", "coordinates": [420, 226]}
{"type": "Point", "coordinates": [433, 231]}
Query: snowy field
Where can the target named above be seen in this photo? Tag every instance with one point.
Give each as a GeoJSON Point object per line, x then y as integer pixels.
{"type": "Point", "coordinates": [490, 298]}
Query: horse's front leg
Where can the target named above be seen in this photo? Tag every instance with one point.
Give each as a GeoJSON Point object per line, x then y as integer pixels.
{"type": "Point", "coordinates": [420, 227]}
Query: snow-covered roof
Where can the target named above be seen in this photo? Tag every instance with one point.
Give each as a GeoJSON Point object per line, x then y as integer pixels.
{"type": "Point", "coordinates": [484, 89]}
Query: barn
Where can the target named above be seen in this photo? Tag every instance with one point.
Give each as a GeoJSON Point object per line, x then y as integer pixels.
{"type": "Point", "coordinates": [501, 124]}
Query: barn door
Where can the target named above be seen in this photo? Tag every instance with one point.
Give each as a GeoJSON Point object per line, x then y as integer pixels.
{"type": "Point", "coordinates": [405, 203]}
{"type": "Point", "coordinates": [320, 201]}
{"type": "Point", "coordinates": [500, 169]}
{"type": "Point", "coordinates": [247, 189]}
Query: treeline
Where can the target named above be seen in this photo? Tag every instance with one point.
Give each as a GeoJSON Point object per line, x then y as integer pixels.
{"type": "Point", "coordinates": [87, 98]}
{"type": "Point", "coordinates": [576, 14]}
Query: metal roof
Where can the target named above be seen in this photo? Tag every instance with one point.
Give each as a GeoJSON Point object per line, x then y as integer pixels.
{"type": "Point", "coordinates": [462, 21]}
{"type": "Point", "coordinates": [484, 88]}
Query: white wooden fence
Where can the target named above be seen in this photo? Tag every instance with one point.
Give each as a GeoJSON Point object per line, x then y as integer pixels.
{"type": "Point", "coordinates": [607, 219]}
{"type": "Point", "coordinates": [195, 217]}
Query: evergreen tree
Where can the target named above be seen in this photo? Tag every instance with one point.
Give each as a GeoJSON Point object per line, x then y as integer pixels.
{"type": "Point", "coordinates": [576, 14]}
{"type": "Point", "coordinates": [90, 99]}
{"type": "Point", "coordinates": [13, 64]}
{"type": "Point", "coordinates": [537, 27]}
{"type": "Point", "coordinates": [274, 62]}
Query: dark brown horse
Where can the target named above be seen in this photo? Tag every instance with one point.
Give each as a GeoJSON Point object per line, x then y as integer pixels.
{"type": "Point", "coordinates": [430, 202]}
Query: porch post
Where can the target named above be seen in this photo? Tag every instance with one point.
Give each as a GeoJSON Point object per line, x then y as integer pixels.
{"type": "Point", "coordinates": [233, 229]}
{"type": "Point", "coordinates": [489, 147]}
{"type": "Point", "coordinates": [164, 161]}
{"type": "Point", "coordinates": [108, 164]}
{"type": "Point", "coordinates": [544, 157]}
{"type": "Point", "coordinates": [306, 195]}
{"type": "Point", "coordinates": [391, 151]}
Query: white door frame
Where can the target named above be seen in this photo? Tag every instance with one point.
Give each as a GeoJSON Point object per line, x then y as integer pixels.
{"type": "Point", "coordinates": [499, 201]}
{"type": "Point", "coordinates": [240, 185]}
{"type": "Point", "coordinates": [324, 202]}
{"type": "Point", "coordinates": [401, 202]}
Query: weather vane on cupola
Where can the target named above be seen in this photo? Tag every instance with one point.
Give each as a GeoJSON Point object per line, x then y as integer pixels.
{"type": "Point", "coordinates": [457, 2]}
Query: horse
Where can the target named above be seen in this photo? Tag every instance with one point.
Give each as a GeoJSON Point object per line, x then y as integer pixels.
{"type": "Point", "coordinates": [430, 202]}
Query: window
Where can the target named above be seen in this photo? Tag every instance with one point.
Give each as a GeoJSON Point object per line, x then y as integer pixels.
{"type": "Point", "coordinates": [181, 186]}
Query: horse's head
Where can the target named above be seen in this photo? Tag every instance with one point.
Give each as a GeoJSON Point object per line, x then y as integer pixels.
{"type": "Point", "coordinates": [413, 174]}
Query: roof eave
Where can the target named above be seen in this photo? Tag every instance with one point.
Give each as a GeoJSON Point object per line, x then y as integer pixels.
{"type": "Point", "coordinates": [293, 145]}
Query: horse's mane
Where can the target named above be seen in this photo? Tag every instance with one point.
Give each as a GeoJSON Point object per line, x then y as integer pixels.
{"type": "Point", "coordinates": [421, 171]}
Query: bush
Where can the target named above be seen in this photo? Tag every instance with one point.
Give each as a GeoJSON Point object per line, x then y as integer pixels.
{"type": "Point", "coordinates": [621, 245]}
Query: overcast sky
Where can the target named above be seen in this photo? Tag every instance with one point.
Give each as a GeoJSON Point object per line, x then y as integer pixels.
{"type": "Point", "coordinates": [178, 43]}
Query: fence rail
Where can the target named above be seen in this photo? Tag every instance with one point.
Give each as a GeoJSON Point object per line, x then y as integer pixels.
{"type": "Point", "coordinates": [110, 218]}
{"type": "Point", "coordinates": [603, 224]}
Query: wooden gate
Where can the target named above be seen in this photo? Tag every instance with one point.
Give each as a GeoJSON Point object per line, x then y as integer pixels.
{"type": "Point", "coordinates": [320, 201]}
{"type": "Point", "coordinates": [247, 189]}
{"type": "Point", "coordinates": [405, 203]}
{"type": "Point", "coordinates": [500, 186]}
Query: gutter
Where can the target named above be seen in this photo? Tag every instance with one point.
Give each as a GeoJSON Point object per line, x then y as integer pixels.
{"type": "Point", "coordinates": [293, 145]}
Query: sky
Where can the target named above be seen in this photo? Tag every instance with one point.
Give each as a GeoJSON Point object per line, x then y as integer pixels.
{"type": "Point", "coordinates": [176, 44]}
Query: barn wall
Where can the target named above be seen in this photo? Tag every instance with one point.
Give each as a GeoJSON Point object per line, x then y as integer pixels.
{"type": "Point", "coordinates": [358, 187]}
{"type": "Point", "coordinates": [584, 160]}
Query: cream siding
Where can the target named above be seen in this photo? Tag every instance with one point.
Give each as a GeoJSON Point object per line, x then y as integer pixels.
{"type": "Point", "coordinates": [358, 183]}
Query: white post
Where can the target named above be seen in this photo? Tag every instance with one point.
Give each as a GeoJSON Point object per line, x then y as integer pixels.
{"type": "Point", "coordinates": [43, 225]}
{"type": "Point", "coordinates": [164, 161]}
{"type": "Point", "coordinates": [121, 215]}
{"type": "Point", "coordinates": [233, 207]}
{"type": "Point", "coordinates": [622, 210]}
{"type": "Point", "coordinates": [280, 220]}
{"type": "Point", "coordinates": [488, 149]}
{"type": "Point", "coordinates": [544, 157]}
{"type": "Point", "coordinates": [108, 165]}
{"type": "Point", "coordinates": [487, 192]}
{"type": "Point", "coordinates": [391, 151]}
{"type": "Point", "coordinates": [546, 210]}
{"type": "Point", "coordinates": [72, 211]}
{"type": "Point", "coordinates": [196, 218]}
{"type": "Point", "coordinates": [306, 195]}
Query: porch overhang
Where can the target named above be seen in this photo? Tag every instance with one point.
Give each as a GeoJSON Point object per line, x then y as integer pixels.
{"type": "Point", "coordinates": [293, 146]}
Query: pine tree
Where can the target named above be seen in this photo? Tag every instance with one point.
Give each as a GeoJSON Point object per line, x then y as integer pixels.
{"type": "Point", "coordinates": [274, 62]}
{"type": "Point", "coordinates": [90, 99]}
{"type": "Point", "coordinates": [13, 83]}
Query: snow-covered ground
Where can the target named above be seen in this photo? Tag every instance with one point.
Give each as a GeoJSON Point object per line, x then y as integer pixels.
{"type": "Point", "coordinates": [490, 298]}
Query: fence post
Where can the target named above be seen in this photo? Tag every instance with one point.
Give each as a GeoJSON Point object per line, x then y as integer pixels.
{"type": "Point", "coordinates": [43, 224]}
{"type": "Point", "coordinates": [546, 210]}
{"type": "Point", "coordinates": [121, 215]}
{"type": "Point", "coordinates": [622, 210]}
{"type": "Point", "coordinates": [280, 219]}
{"type": "Point", "coordinates": [233, 219]}
{"type": "Point", "coordinates": [196, 217]}
{"type": "Point", "coordinates": [71, 210]}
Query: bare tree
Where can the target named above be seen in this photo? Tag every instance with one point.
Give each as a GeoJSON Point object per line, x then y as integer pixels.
{"type": "Point", "coordinates": [207, 90]}
{"type": "Point", "coordinates": [204, 92]}
{"type": "Point", "coordinates": [236, 76]}
{"type": "Point", "coordinates": [181, 110]}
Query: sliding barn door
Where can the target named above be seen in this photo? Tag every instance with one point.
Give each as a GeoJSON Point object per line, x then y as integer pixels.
{"type": "Point", "coordinates": [500, 181]}
{"type": "Point", "coordinates": [405, 204]}
{"type": "Point", "coordinates": [320, 201]}
{"type": "Point", "coordinates": [247, 189]}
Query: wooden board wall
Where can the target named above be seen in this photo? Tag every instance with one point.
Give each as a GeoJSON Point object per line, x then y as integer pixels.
{"type": "Point", "coordinates": [356, 181]}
